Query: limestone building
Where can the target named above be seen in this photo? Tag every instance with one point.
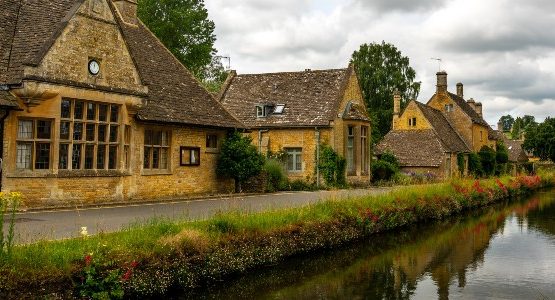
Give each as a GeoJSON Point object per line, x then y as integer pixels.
{"type": "Point", "coordinates": [295, 112]}
{"type": "Point", "coordinates": [427, 138]}
{"type": "Point", "coordinates": [95, 109]}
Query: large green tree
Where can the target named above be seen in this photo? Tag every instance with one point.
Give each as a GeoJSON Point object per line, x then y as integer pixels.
{"type": "Point", "coordinates": [382, 69]}
{"type": "Point", "coordinates": [184, 28]}
{"type": "Point", "coordinates": [540, 139]}
{"type": "Point", "coordinates": [520, 125]}
{"type": "Point", "coordinates": [507, 122]}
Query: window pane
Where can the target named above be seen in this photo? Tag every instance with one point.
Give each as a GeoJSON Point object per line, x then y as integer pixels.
{"type": "Point", "coordinates": [114, 113]}
{"type": "Point", "coordinates": [146, 158]}
{"type": "Point", "coordinates": [44, 129]}
{"type": "Point", "coordinates": [90, 132]}
{"type": "Point", "coordinates": [164, 158]}
{"type": "Point", "coordinates": [77, 131]}
{"type": "Point", "coordinates": [91, 111]}
{"type": "Point", "coordinates": [42, 160]}
{"type": "Point", "coordinates": [156, 158]}
{"type": "Point", "coordinates": [66, 109]}
{"type": "Point", "coordinates": [24, 155]}
{"type": "Point", "coordinates": [64, 153]}
{"type": "Point", "coordinates": [157, 138]}
{"type": "Point", "coordinates": [64, 130]}
{"type": "Point", "coordinates": [102, 132]}
{"type": "Point", "coordinates": [25, 129]}
{"type": "Point", "coordinates": [101, 157]}
{"type": "Point", "coordinates": [78, 110]}
{"type": "Point", "coordinates": [76, 157]}
{"type": "Point", "coordinates": [299, 162]}
{"type": "Point", "coordinates": [114, 133]}
{"type": "Point", "coordinates": [89, 157]}
{"type": "Point", "coordinates": [112, 157]}
{"type": "Point", "coordinates": [186, 156]}
{"type": "Point", "coordinates": [195, 156]}
{"type": "Point", "coordinates": [164, 138]}
{"type": "Point", "coordinates": [148, 137]}
{"type": "Point", "coordinates": [102, 112]}
{"type": "Point", "coordinates": [211, 141]}
{"type": "Point", "coordinates": [290, 161]}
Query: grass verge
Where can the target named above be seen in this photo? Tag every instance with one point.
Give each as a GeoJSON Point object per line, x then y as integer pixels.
{"type": "Point", "coordinates": [156, 258]}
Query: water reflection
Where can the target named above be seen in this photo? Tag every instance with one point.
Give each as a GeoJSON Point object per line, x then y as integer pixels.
{"type": "Point", "coordinates": [503, 252]}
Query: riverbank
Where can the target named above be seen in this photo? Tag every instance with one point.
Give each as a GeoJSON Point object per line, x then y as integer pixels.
{"type": "Point", "coordinates": [155, 259]}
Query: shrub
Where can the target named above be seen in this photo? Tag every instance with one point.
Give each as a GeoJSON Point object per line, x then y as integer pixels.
{"type": "Point", "coordinates": [301, 185]}
{"type": "Point", "coordinates": [276, 176]}
{"type": "Point", "coordinates": [488, 160]}
{"type": "Point", "coordinates": [390, 158]}
{"type": "Point", "coordinates": [461, 163]}
{"type": "Point", "coordinates": [332, 166]}
{"type": "Point", "coordinates": [475, 165]}
{"type": "Point", "coordinates": [383, 170]}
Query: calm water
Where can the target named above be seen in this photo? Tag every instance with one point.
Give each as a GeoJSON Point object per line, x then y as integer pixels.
{"type": "Point", "coordinates": [502, 252]}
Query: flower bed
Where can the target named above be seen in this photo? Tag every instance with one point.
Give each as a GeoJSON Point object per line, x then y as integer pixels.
{"type": "Point", "coordinates": [156, 259]}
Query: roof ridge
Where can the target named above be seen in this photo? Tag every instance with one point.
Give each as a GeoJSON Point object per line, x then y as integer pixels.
{"type": "Point", "coordinates": [440, 113]}
{"type": "Point", "coordinates": [293, 72]}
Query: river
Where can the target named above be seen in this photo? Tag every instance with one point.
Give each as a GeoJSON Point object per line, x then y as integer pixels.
{"type": "Point", "coordinates": [502, 252]}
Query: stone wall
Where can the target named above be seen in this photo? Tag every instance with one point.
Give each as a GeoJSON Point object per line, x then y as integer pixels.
{"type": "Point", "coordinates": [410, 112]}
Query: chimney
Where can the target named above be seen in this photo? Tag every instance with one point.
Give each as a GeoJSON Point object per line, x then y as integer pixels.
{"type": "Point", "coordinates": [472, 103]}
{"type": "Point", "coordinates": [127, 10]}
{"type": "Point", "coordinates": [460, 90]}
{"type": "Point", "coordinates": [441, 82]}
{"type": "Point", "coordinates": [396, 107]}
{"type": "Point", "coordinates": [479, 108]}
{"type": "Point", "coordinates": [500, 126]}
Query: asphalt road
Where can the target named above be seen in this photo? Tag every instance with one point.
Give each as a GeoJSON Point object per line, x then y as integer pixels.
{"type": "Point", "coordinates": [61, 224]}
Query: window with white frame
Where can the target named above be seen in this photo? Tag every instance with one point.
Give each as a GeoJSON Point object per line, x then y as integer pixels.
{"type": "Point", "coordinates": [294, 159]}
{"type": "Point", "coordinates": [34, 144]}
{"type": "Point", "coordinates": [156, 150]}
{"type": "Point", "coordinates": [351, 149]}
{"type": "Point", "coordinates": [89, 135]}
{"type": "Point", "coordinates": [261, 111]}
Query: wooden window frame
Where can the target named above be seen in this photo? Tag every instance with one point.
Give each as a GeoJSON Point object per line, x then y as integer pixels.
{"type": "Point", "coordinates": [150, 148]}
{"type": "Point", "coordinates": [34, 140]}
{"type": "Point", "coordinates": [297, 154]}
{"type": "Point", "coordinates": [189, 149]}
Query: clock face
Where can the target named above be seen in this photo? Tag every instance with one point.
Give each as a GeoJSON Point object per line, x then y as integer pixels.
{"type": "Point", "coordinates": [94, 67]}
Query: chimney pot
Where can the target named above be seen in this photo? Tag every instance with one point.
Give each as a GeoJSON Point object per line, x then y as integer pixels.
{"type": "Point", "coordinates": [478, 108]}
{"type": "Point", "coordinates": [441, 82]}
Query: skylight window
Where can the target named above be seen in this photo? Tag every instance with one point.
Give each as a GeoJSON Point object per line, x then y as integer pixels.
{"type": "Point", "coordinates": [278, 110]}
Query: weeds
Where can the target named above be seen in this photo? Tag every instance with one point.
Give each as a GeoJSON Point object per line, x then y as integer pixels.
{"type": "Point", "coordinates": [9, 203]}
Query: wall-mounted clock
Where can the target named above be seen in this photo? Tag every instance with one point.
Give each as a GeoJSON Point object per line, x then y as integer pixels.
{"type": "Point", "coordinates": [94, 67]}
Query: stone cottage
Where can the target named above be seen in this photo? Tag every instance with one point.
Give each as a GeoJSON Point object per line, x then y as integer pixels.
{"type": "Point", "coordinates": [427, 138]}
{"type": "Point", "coordinates": [295, 112]}
{"type": "Point", "coordinates": [95, 109]}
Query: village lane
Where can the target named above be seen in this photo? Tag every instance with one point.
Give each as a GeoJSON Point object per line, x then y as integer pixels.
{"type": "Point", "coordinates": [60, 224]}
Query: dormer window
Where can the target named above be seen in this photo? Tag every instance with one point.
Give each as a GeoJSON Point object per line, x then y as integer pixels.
{"type": "Point", "coordinates": [278, 110]}
{"type": "Point", "coordinates": [261, 111]}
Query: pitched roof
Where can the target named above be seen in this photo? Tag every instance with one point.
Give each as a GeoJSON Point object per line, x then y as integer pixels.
{"type": "Point", "coordinates": [6, 99]}
{"type": "Point", "coordinates": [414, 148]}
{"type": "Point", "coordinates": [311, 98]}
{"type": "Point", "coordinates": [356, 112]}
{"type": "Point", "coordinates": [174, 96]}
{"type": "Point", "coordinates": [449, 137]}
{"type": "Point", "coordinates": [468, 109]}
{"type": "Point", "coordinates": [516, 152]}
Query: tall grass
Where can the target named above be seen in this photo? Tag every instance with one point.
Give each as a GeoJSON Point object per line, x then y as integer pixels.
{"type": "Point", "coordinates": [9, 204]}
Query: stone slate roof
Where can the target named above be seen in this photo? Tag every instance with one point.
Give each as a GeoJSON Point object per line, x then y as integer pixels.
{"type": "Point", "coordinates": [311, 98]}
{"type": "Point", "coordinates": [450, 139]}
{"type": "Point", "coordinates": [28, 28]}
{"type": "Point", "coordinates": [468, 110]}
{"type": "Point", "coordinates": [516, 152]}
{"type": "Point", "coordinates": [6, 99]}
{"type": "Point", "coordinates": [414, 148]}
{"type": "Point", "coordinates": [355, 112]}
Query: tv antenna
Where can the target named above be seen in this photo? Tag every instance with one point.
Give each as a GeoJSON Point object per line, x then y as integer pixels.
{"type": "Point", "coordinates": [227, 58]}
{"type": "Point", "coordinates": [439, 61]}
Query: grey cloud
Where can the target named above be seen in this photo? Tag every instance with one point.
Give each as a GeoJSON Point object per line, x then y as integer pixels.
{"type": "Point", "coordinates": [385, 6]}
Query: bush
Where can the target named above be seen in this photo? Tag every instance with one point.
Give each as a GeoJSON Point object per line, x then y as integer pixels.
{"type": "Point", "coordinates": [390, 158]}
{"type": "Point", "coordinates": [332, 166]}
{"type": "Point", "coordinates": [301, 185]}
{"type": "Point", "coordinates": [383, 170]}
{"type": "Point", "coordinates": [475, 165]}
{"type": "Point", "coordinates": [276, 177]}
{"type": "Point", "coordinates": [488, 160]}
{"type": "Point", "coordinates": [461, 163]}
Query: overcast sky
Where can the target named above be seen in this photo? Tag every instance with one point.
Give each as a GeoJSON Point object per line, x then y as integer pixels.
{"type": "Point", "coordinates": [502, 50]}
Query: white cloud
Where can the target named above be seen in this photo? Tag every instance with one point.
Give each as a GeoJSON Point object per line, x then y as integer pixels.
{"type": "Point", "coordinates": [503, 50]}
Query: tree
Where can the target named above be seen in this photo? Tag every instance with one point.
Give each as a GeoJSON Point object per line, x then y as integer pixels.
{"type": "Point", "coordinates": [507, 122]}
{"type": "Point", "coordinates": [488, 159]}
{"type": "Point", "coordinates": [382, 69]}
{"type": "Point", "coordinates": [540, 139]}
{"type": "Point", "coordinates": [184, 28]}
{"type": "Point", "coordinates": [520, 125]}
{"type": "Point", "coordinates": [239, 159]}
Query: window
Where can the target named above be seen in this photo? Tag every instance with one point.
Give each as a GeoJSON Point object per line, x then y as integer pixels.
{"type": "Point", "coordinates": [278, 110]}
{"type": "Point", "coordinates": [481, 136]}
{"type": "Point", "coordinates": [261, 111]}
{"type": "Point", "coordinates": [351, 149]}
{"type": "Point", "coordinates": [412, 122]}
{"type": "Point", "coordinates": [449, 108]}
{"type": "Point", "coordinates": [34, 144]}
{"type": "Point", "coordinates": [211, 141]}
{"type": "Point", "coordinates": [157, 150]}
{"type": "Point", "coordinates": [364, 148]}
{"type": "Point", "coordinates": [294, 159]}
{"type": "Point", "coordinates": [190, 156]}
{"type": "Point", "coordinates": [89, 135]}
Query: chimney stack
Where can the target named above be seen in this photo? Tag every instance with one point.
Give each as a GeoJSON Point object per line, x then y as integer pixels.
{"type": "Point", "coordinates": [478, 108]}
{"type": "Point", "coordinates": [472, 103]}
{"type": "Point", "coordinates": [500, 126]}
{"type": "Point", "coordinates": [396, 107]}
{"type": "Point", "coordinates": [460, 90]}
{"type": "Point", "coordinates": [127, 9]}
{"type": "Point", "coordinates": [441, 82]}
